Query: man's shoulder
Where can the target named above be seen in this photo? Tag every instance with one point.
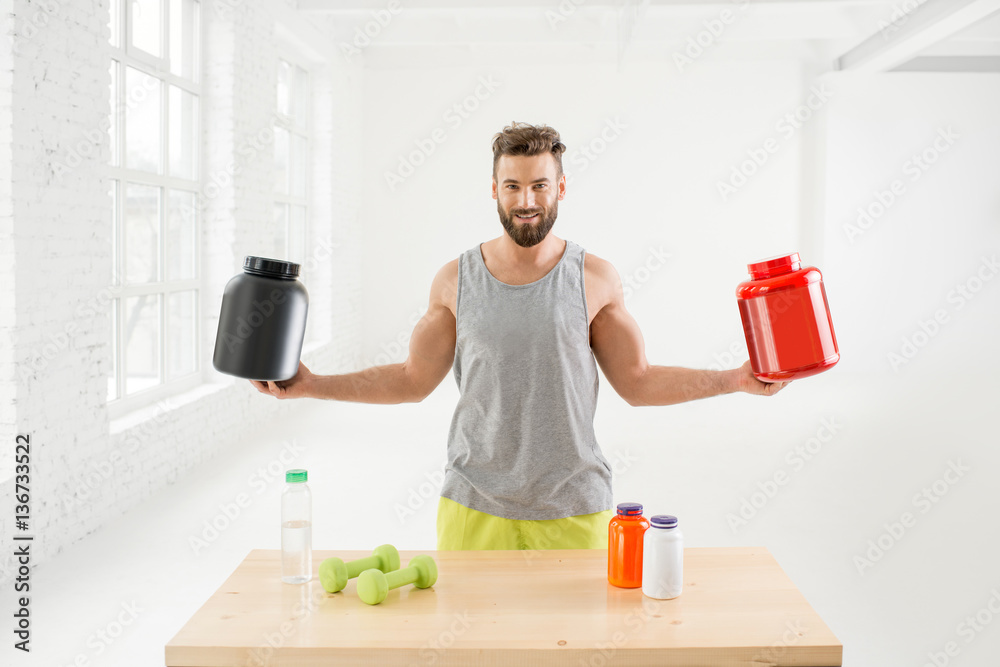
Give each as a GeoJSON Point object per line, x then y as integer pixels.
{"type": "Point", "coordinates": [600, 269]}
{"type": "Point", "coordinates": [445, 285]}
{"type": "Point", "coordinates": [603, 284]}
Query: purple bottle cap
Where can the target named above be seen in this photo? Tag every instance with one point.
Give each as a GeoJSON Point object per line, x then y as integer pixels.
{"type": "Point", "coordinates": [629, 509]}
{"type": "Point", "coordinates": [663, 521]}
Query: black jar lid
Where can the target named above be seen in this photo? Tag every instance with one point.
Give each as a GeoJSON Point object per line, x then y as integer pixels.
{"type": "Point", "coordinates": [276, 268]}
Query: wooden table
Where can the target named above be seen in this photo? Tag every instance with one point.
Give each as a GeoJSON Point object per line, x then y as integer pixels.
{"type": "Point", "coordinates": [512, 608]}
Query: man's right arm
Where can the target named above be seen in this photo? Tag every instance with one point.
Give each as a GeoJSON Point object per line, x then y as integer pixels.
{"type": "Point", "coordinates": [431, 353]}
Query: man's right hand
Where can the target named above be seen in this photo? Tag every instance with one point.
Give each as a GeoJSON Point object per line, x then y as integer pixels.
{"type": "Point", "coordinates": [296, 387]}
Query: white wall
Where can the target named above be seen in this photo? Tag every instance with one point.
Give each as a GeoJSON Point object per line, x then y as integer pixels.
{"type": "Point", "coordinates": [656, 186]}
{"type": "Point", "coordinates": [935, 137]}
{"type": "Point", "coordinates": [673, 137]}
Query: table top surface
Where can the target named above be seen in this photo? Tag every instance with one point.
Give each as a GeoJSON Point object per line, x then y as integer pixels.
{"type": "Point", "coordinates": [507, 607]}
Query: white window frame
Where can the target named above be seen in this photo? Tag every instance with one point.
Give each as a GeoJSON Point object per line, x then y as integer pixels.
{"type": "Point", "coordinates": [304, 131]}
{"type": "Point", "coordinates": [127, 55]}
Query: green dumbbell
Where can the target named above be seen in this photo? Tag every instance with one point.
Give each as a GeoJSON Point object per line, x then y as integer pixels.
{"type": "Point", "coordinates": [374, 585]}
{"type": "Point", "coordinates": [334, 573]}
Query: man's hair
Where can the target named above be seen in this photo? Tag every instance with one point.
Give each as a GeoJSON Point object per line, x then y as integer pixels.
{"type": "Point", "coordinates": [524, 139]}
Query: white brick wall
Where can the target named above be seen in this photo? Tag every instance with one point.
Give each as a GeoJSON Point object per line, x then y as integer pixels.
{"type": "Point", "coordinates": [7, 258]}
{"type": "Point", "coordinates": [55, 257]}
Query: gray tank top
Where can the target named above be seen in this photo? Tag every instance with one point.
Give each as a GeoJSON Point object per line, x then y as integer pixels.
{"type": "Point", "coordinates": [521, 443]}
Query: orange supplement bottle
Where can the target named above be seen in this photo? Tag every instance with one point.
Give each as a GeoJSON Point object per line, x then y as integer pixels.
{"type": "Point", "coordinates": [625, 533]}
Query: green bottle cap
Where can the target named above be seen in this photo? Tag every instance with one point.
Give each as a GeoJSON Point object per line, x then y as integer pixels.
{"type": "Point", "coordinates": [296, 475]}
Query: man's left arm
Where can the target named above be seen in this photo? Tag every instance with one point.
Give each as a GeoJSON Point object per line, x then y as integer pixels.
{"type": "Point", "coordinates": [620, 351]}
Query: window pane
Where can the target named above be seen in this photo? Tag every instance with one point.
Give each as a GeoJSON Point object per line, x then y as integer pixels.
{"type": "Point", "coordinates": [183, 134]}
{"type": "Point", "coordinates": [297, 235]}
{"type": "Point", "coordinates": [181, 333]}
{"type": "Point", "coordinates": [142, 121]}
{"type": "Point", "coordinates": [300, 92]}
{"type": "Point", "coordinates": [146, 25]}
{"type": "Point", "coordinates": [297, 177]}
{"type": "Point", "coordinates": [113, 378]}
{"type": "Point", "coordinates": [113, 128]}
{"type": "Point", "coordinates": [142, 342]}
{"type": "Point", "coordinates": [184, 32]}
{"type": "Point", "coordinates": [115, 231]}
{"type": "Point", "coordinates": [115, 23]}
{"type": "Point", "coordinates": [281, 160]}
{"type": "Point", "coordinates": [180, 232]}
{"type": "Point", "coordinates": [284, 82]}
{"type": "Point", "coordinates": [142, 233]}
{"type": "Point", "coordinates": [280, 230]}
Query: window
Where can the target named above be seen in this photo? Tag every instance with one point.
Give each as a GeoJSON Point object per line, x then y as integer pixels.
{"type": "Point", "coordinates": [155, 180]}
{"type": "Point", "coordinates": [291, 160]}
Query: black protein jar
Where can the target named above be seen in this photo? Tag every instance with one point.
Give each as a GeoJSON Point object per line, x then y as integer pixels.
{"type": "Point", "coordinates": [263, 321]}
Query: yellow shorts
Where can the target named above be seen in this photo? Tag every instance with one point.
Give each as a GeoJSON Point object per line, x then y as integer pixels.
{"type": "Point", "coordinates": [462, 528]}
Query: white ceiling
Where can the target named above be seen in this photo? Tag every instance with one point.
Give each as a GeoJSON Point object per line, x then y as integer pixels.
{"type": "Point", "coordinates": [863, 35]}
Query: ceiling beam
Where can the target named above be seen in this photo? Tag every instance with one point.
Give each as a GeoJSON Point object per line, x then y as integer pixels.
{"type": "Point", "coordinates": [951, 64]}
{"type": "Point", "coordinates": [362, 6]}
{"type": "Point", "coordinates": [908, 33]}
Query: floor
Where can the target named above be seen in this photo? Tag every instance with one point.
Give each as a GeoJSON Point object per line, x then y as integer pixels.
{"type": "Point", "coordinates": [852, 454]}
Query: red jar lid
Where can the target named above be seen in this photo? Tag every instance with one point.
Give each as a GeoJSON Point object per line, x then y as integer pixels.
{"type": "Point", "coordinates": [774, 266]}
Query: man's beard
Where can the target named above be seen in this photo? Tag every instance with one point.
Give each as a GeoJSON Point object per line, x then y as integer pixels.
{"type": "Point", "coordinates": [528, 234]}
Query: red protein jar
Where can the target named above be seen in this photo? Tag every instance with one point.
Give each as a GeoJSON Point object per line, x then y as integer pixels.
{"type": "Point", "coordinates": [786, 320]}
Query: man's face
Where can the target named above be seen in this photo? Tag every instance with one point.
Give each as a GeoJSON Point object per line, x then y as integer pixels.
{"type": "Point", "coordinates": [528, 193]}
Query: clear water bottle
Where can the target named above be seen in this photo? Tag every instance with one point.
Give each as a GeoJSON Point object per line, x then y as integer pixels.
{"type": "Point", "coordinates": [296, 528]}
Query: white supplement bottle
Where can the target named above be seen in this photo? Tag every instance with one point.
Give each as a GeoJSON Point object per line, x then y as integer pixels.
{"type": "Point", "coordinates": [662, 558]}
